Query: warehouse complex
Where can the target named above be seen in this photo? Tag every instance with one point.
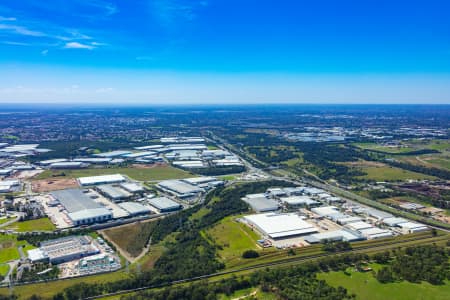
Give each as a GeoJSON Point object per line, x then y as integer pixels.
{"type": "Point", "coordinates": [279, 225]}
{"type": "Point", "coordinates": [103, 179]}
{"type": "Point", "coordinates": [114, 192]}
{"type": "Point", "coordinates": [63, 249]}
{"type": "Point", "coordinates": [299, 215]}
{"type": "Point", "coordinates": [261, 203]}
{"type": "Point", "coordinates": [76, 255]}
{"type": "Point", "coordinates": [183, 152]}
{"type": "Point", "coordinates": [80, 208]}
{"type": "Point", "coordinates": [164, 204]}
{"type": "Point", "coordinates": [189, 188]}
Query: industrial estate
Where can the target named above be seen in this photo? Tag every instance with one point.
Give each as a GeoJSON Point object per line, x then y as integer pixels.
{"type": "Point", "coordinates": [229, 200]}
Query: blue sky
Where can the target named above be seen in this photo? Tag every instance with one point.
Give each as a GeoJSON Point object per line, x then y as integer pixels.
{"type": "Point", "coordinates": [225, 51]}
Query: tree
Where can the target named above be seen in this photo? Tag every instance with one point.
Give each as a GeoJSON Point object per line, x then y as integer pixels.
{"type": "Point", "coordinates": [250, 254]}
{"type": "Point", "coordinates": [384, 275]}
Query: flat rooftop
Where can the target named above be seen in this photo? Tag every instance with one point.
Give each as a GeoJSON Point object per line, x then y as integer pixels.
{"type": "Point", "coordinates": [74, 200]}
{"type": "Point", "coordinates": [280, 225]}
{"type": "Point", "coordinates": [261, 203]}
{"type": "Point", "coordinates": [298, 200]}
{"type": "Point", "coordinates": [179, 187]}
{"type": "Point", "coordinates": [90, 214]}
{"type": "Point", "coordinates": [92, 180]}
{"type": "Point", "coordinates": [163, 203]}
{"type": "Point", "coordinates": [134, 208]}
{"type": "Point", "coordinates": [113, 191]}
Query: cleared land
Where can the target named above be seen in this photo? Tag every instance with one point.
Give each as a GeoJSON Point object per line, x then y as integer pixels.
{"type": "Point", "coordinates": [131, 238]}
{"type": "Point", "coordinates": [365, 286]}
{"type": "Point", "coordinates": [387, 173]}
{"type": "Point", "coordinates": [47, 185]}
{"type": "Point", "coordinates": [43, 224]}
{"type": "Point", "coordinates": [233, 238]}
{"type": "Point", "coordinates": [49, 289]}
{"type": "Point", "coordinates": [373, 146]}
{"type": "Point", "coordinates": [408, 146]}
{"type": "Point", "coordinates": [143, 174]}
{"type": "Point", "coordinates": [432, 160]}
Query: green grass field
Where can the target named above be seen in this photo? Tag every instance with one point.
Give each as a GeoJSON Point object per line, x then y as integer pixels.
{"type": "Point", "coordinates": [408, 146]}
{"type": "Point", "coordinates": [387, 173]}
{"type": "Point", "coordinates": [4, 220]}
{"type": "Point", "coordinates": [234, 238]}
{"type": "Point", "coordinates": [8, 247]}
{"type": "Point", "coordinates": [49, 289]}
{"type": "Point", "coordinates": [247, 294]}
{"type": "Point", "coordinates": [142, 174]}
{"type": "Point", "coordinates": [442, 162]}
{"type": "Point", "coordinates": [228, 177]}
{"type": "Point", "coordinates": [43, 224]}
{"type": "Point", "coordinates": [8, 254]}
{"type": "Point", "coordinates": [4, 269]}
{"type": "Point", "coordinates": [365, 286]}
{"type": "Point", "coordinates": [129, 237]}
{"type": "Point", "coordinates": [377, 147]}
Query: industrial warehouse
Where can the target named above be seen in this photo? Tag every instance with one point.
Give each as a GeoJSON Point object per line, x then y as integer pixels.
{"type": "Point", "coordinates": [188, 153]}
{"type": "Point", "coordinates": [277, 226]}
{"type": "Point", "coordinates": [97, 202]}
{"type": "Point", "coordinates": [303, 215]}
{"type": "Point", "coordinates": [76, 255]}
{"type": "Point", "coordinates": [190, 188]}
{"type": "Point", "coordinates": [81, 209]}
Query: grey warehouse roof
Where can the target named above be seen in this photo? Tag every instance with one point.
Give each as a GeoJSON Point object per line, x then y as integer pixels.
{"type": "Point", "coordinates": [163, 203]}
{"type": "Point", "coordinates": [113, 192]}
{"type": "Point", "coordinates": [179, 186]}
{"type": "Point", "coordinates": [89, 214]}
{"type": "Point", "coordinates": [75, 200]}
{"type": "Point", "coordinates": [134, 208]}
{"type": "Point", "coordinates": [261, 204]}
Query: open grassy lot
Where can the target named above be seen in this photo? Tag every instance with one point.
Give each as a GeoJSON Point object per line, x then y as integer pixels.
{"type": "Point", "coordinates": [142, 174]}
{"type": "Point", "coordinates": [377, 147]}
{"type": "Point", "coordinates": [7, 254]}
{"type": "Point", "coordinates": [365, 286]}
{"type": "Point", "coordinates": [42, 224]}
{"type": "Point", "coordinates": [408, 146]}
{"type": "Point", "coordinates": [4, 269]}
{"type": "Point", "coordinates": [250, 293]}
{"type": "Point", "coordinates": [4, 220]}
{"type": "Point", "coordinates": [387, 173]}
{"type": "Point", "coordinates": [8, 247]}
{"type": "Point", "coordinates": [401, 199]}
{"type": "Point", "coordinates": [48, 289]}
{"type": "Point", "coordinates": [440, 162]}
{"type": "Point", "coordinates": [233, 238]}
{"type": "Point", "coordinates": [148, 260]}
{"type": "Point", "coordinates": [131, 238]}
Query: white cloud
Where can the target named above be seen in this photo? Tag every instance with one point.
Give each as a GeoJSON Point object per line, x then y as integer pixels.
{"type": "Point", "coordinates": [7, 18]}
{"type": "Point", "coordinates": [76, 45]}
{"type": "Point", "coordinates": [98, 44]}
{"type": "Point", "coordinates": [12, 43]}
{"type": "Point", "coordinates": [21, 30]}
{"type": "Point", "coordinates": [44, 52]}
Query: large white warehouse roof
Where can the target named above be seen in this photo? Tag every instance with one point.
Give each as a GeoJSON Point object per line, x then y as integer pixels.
{"type": "Point", "coordinates": [93, 180]}
{"type": "Point", "coordinates": [280, 225]}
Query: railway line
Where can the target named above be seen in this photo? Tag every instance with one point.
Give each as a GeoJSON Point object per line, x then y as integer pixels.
{"type": "Point", "coordinates": [383, 245]}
